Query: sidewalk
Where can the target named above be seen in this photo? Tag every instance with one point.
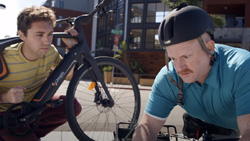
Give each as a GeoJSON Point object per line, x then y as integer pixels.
{"type": "Point", "coordinates": [64, 133]}
{"type": "Point", "coordinates": [60, 136]}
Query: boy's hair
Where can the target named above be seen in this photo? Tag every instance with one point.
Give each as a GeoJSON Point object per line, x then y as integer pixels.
{"type": "Point", "coordinates": [34, 14]}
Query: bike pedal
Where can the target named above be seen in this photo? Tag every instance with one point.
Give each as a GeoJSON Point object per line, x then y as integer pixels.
{"type": "Point", "coordinates": [54, 103]}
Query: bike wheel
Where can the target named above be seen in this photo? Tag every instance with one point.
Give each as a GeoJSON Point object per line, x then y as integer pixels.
{"type": "Point", "coordinates": [97, 121]}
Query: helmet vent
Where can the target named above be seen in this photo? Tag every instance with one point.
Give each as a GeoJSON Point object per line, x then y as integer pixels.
{"type": "Point", "coordinates": [170, 29]}
{"type": "Point", "coordinates": [184, 4]}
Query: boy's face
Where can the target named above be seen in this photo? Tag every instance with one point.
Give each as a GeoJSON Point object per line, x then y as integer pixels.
{"type": "Point", "coordinates": [38, 40]}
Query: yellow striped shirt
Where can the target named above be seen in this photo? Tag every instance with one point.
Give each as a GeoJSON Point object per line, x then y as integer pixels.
{"type": "Point", "coordinates": [29, 74]}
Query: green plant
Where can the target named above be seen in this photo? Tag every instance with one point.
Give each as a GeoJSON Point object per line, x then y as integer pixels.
{"type": "Point", "coordinates": [218, 20]}
{"type": "Point", "coordinates": [174, 3]}
{"type": "Point", "coordinates": [121, 54]}
{"type": "Point", "coordinates": [107, 68]}
{"type": "Point", "coordinates": [136, 66]}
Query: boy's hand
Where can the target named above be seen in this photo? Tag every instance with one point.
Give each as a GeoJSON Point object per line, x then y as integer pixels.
{"type": "Point", "coordinates": [14, 95]}
{"type": "Point", "coordinates": [69, 41]}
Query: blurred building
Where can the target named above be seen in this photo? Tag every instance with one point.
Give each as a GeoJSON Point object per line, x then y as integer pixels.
{"type": "Point", "coordinates": [236, 32]}
{"type": "Point", "coordinates": [84, 6]}
{"type": "Point", "coordinates": [137, 22]}
{"type": "Point", "coordinates": [70, 8]}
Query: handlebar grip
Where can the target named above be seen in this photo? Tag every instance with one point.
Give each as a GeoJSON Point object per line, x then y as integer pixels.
{"type": "Point", "coordinates": [104, 3]}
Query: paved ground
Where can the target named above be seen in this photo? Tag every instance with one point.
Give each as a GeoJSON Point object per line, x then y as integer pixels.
{"type": "Point", "coordinates": [64, 133]}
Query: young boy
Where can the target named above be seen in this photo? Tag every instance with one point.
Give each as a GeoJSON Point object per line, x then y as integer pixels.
{"type": "Point", "coordinates": [30, 63]}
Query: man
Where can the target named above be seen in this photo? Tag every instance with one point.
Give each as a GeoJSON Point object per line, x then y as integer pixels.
{"type": "Point", "coordinates": [210, 81]}
{"type": "Point", "coordinates": [30, 63]}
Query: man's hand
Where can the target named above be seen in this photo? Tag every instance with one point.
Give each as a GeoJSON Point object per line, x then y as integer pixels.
{"type": "Point", "coordinates": [14, 95]}
{"type": "Point", "coordinates": [244, 127]}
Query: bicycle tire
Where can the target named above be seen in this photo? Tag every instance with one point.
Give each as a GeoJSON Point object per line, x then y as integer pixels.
{"type": "Point", "coordinates": [96, 122]}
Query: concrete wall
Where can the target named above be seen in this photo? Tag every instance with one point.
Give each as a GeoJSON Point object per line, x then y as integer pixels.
{"type": "Point", "coordinates": [240, 36]}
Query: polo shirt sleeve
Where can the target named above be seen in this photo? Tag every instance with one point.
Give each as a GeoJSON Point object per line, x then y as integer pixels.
{"type": "Point", "coordinates": [162, 99]}
{"type": "Point", "coordinates": [242, 90]}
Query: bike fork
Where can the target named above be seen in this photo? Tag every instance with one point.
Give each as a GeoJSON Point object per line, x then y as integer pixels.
{"type": "Point", "coordinates": [97, 75]}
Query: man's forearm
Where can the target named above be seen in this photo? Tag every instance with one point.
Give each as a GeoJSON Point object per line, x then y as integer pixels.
{"type": "Point", "coordinates": [143, 133]}
{"type": "Point", "coordinates": [246, 136]}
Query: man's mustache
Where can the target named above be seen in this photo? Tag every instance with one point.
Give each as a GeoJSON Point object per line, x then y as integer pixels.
{"type": "Point", "coordinates": [185, 71]}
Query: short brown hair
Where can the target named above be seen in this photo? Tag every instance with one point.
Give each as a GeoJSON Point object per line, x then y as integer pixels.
{"type": "Point", "coordinates": [34, 14]}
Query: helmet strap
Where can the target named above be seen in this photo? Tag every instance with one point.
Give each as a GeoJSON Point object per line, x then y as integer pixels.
{"type": "Point", "coordinates": [212, 57]}
{"type": "Point", "coordinates": [180, 92]}
{"type": "Point", "coordinates": [166, 58]}
{"type": "Point", "coordinates": [179, 86]}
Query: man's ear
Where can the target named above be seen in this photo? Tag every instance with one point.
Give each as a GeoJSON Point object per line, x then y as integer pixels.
{"type": "Point", "coordinates": [210, 45]}
{"type": "Point", "coordinates": [21, 35]}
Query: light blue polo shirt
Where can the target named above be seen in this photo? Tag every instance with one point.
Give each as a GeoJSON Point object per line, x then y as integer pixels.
{"type": "Point", "coordinates": [223, 96]}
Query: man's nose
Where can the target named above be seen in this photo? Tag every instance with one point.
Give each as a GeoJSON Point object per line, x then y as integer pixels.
{"type": "Point", "coordinates": [180, 65]}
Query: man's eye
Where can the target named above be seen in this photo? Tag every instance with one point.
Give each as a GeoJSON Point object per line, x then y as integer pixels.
{"type": "Point", "coordinates": [39, 35]}
{"type": "Point", "coordinates": [185, 56]}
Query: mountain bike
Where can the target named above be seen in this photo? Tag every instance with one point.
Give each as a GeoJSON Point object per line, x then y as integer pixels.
{"type": "Point", "coordinates": [104, 102]}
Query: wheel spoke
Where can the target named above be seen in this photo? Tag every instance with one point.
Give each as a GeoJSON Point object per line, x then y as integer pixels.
{"type": "Point", "coordinates": [98, 121]}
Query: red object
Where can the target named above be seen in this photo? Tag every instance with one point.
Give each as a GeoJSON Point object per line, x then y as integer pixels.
{"type": "Point", "coordinates": [116, 39]}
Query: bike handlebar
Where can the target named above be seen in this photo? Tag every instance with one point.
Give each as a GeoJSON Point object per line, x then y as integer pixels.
{"type": "Point", "coordinates": [84, 19]}
{"type": "Point", "coordinates": [87, 17]}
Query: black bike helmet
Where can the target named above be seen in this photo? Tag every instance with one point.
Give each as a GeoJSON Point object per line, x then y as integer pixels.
{"type": "Point", "coordinates": [184, 23]}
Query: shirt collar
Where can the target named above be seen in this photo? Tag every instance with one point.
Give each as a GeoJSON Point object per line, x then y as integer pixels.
{"type": "Point", "coordinates": [213, 77]}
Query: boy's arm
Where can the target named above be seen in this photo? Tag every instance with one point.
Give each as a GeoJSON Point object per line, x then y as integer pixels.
{"type": "Point", "coordinates": [70, 43]}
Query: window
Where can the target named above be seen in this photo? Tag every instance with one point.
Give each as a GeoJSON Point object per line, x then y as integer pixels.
{"type": "Point", "coordinates": [112, 4]}
{"type": "Point", "coordinates": [60, 25]}
{"type": "Point", "coordinates": [58, 43]}
{"type": "Point", "coordinates": [111, 21]}
{"type": "Point", "coordinates": [53, 3]}
{"type": "Point", "coordinates": [135, 39]}
{"type": "Point", "coordinates": [120, 16]}
{"type": "Point", "coordinates": [110, 41]}
{"type": "Point", "coordinates": [105, 41]}
{"type": "Point", "coordinates": [240, 22]}
{"type": "Point", "coordinates": [233, 21]}
{"type": "Point", "coordinates": [61, 4]}
{"type": "Point", "coordinates": [156, 12]}
{"type": "Point", "coordinates": [136, 13]}
{"type": "Point", "coordinates": [152, 41]}
{"type": "Point", "coordinates": [101, 24]}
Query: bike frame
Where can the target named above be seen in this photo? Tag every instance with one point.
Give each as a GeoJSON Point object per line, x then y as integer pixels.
{"type": "Point", "coordinates": [77, 56]}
